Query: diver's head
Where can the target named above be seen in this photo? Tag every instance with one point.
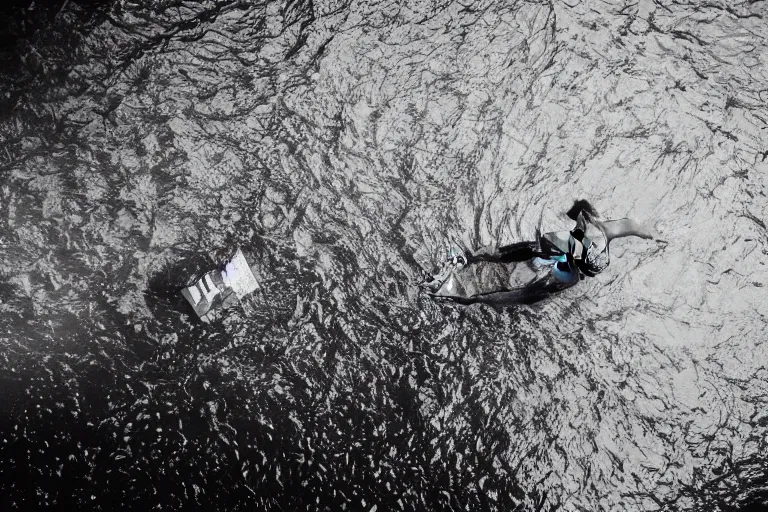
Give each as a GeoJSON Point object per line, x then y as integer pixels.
{"type": "Point", "coordinates": [588, 246]}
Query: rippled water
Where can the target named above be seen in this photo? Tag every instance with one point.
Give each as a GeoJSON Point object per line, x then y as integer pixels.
{"type": "Point", "coordinates": [341, 144]}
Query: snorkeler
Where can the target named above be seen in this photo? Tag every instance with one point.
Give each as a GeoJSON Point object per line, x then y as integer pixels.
{"type": "Point", "coordinates": [555, 261]}
{"type": "Point", "coordinates": [587, 243]}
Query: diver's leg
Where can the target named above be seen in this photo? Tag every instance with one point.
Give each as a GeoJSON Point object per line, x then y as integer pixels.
{"type": "Point", "coordinates": [520, 251]}
{"type": "Point", "coordinates": [485, 253]}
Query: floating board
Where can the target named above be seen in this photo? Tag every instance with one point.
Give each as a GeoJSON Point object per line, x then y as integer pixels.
{"type": "Point", "coordinates": [217, 290]}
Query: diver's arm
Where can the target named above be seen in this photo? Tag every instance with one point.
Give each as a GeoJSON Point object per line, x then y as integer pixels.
{"type": "Point", "coordinates": [626, 227]}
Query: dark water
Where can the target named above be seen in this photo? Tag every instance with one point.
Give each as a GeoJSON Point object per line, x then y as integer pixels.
{"type": "Point", "coordinates": [342, 143]}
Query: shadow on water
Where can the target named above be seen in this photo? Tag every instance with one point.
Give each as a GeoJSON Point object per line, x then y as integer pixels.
{"type": "Point", "coordinates": [163, 293]}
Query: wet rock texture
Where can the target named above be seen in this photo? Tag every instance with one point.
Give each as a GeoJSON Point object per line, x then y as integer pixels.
{"type": "Point", "coordinates": [342, 143]}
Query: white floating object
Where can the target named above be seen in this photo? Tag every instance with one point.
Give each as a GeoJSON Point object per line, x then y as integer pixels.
{"type": "Point", "coordinates": [208, 288]}
{"type": "Point", "coordinates": [195, 294]}
{"type": "Point", "coordinates": [217, 290]}
{"type": "Point", "coordinates": [239, 275]}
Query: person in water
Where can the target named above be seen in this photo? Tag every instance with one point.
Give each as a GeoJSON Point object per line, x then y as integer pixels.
{"type": "Point", "coordinates": [587, 245]}
{"type": "Point", "coordinates": [584, 251]}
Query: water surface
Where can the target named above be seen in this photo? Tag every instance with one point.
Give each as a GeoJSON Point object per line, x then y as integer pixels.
{"type": "Point", "coordinates": [342, 143]}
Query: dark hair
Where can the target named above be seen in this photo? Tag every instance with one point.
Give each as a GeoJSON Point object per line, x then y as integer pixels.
{"type": "Point", "coordinates": [582, 206]}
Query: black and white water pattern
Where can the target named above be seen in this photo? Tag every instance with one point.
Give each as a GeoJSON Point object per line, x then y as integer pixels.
{"type": "Point", "coordinates": [342, 144]}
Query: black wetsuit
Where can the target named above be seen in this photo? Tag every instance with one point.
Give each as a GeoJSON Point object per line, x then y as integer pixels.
{"type": "Point", "coordinates": [519, 251]}
{"type": "Point", "coordinates": [525, 251]}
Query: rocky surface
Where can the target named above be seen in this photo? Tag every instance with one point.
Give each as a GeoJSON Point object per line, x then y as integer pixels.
{"type": "Point", "coordinates": [342, 143]}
